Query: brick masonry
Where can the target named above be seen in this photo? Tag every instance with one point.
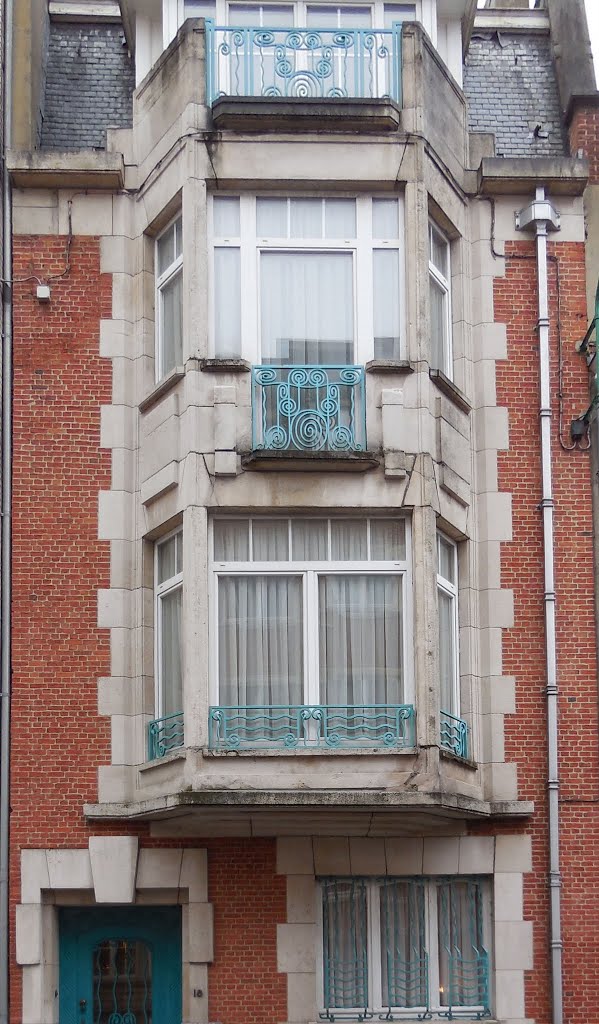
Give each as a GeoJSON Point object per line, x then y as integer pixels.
{"type": "Point", "coordinates": [523, 645]}
{"type": "Point", "coordinates": [584, 133]}
{"type": "Point", "coordinates": [89, 85]}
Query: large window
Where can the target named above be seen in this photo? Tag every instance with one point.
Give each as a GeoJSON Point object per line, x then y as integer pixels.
{"type": "Point", "coordinates": [169, 299]}
{"type": "Point", "coordinates": [440, 301]}
{"type": "Point", "coordinates": [410, 945]}
{"type": "Point", "coordinates": [310, 611]}
{"type": "Point", "coordinates": [447, 594]}
{"type": "Point", "coordinates": [321, 279]}
{"type": "Point", "coordinates": [321, 15]}
{"type": "Point", "coordinates": [169, 592]}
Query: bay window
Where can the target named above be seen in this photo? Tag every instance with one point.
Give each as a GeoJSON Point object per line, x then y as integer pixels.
{"type": "Point", "coordinates": [414, 947]}
{"type": "Point", "coordinates": [321, 279]}
{"type": "Point", "coordinates": [299, 13]}
{"type": "Point", "coordinates": [310, 628]}
{"type": "Point", "coordinates": [454, 730]}
{"type": "Point", "coordinates": [169, 299]}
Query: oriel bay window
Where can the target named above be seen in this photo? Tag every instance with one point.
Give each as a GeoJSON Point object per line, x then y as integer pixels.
{"type": "Point", "coordinates": [310, 633]}
{"type": "Point", "coordinates": [405, 948]}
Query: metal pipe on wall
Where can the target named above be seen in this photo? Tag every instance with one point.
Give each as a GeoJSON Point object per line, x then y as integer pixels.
{"type": "Point", "coordinates": [6, 532]}
{"type": "Point", "coordinates": [541, 216]}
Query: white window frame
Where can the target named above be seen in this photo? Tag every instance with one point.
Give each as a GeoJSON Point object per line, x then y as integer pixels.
{"type": "Point", "coordinates": [423, 11]}
{"type": "Point", "coordinates": [161, 590]}
{"type": "Point", "coordinates": [443, 281]}
{"type": "Point", "coordinates": [363, 246]}
{"type": "Point", "coordinates": [311, 572]}
{"type": "Point", "coordinates": [451, 589]}
{"type": "Point", "coordinates": [174, 269]}
{"type": "Point", "coordinates": [432, 944]}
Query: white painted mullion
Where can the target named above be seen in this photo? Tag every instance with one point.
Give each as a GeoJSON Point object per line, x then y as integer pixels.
{"type": "Point", "coordinates": [363, 282]}
{"type": "Point", "coordinates": [250, 279]}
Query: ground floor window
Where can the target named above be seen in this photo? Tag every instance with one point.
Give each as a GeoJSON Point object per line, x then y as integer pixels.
{"type": "Point", "coordinates": [412, 946]}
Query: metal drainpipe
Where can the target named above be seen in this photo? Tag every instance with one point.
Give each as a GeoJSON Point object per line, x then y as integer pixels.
{"type": "Point", "coordinates": [541, 217]}
{"type": "Point", "coordinates": [5, 554]}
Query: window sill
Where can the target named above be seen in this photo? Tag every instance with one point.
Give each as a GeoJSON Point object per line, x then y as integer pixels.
{"type": "Point", "coordinates": [466, 762]}
{"type": "Point", "coordinates": [310, 462]}
{"type": "Point", "coordinates": [450, 390]}
{"type": "Point", "coordinates": [225, 366]}
{"type": "Point", "coordinates": [179, 754]}
{"type": "Point", "coordinates": [162, 388]}
{"type": "Point", "coordinates": [312, 752]}
{"type": "Point", "coordinates": [389, 366]}
{"type": "Point", "coordinates": [295, 114]}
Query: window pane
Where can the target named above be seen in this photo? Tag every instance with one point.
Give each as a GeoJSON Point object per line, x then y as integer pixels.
{"type": "Point", "coordinates": [231, 540]}
{"type": "Point", "coordinates": [340, 218]}
{"type": "Point", "coordinates": [179, 552]}
{"type": "Point", "coordinates": [321, 16]}
{"type": "Point", "coordinates": [386, 303]}
{"type": "Point", "coordinates": [310, 540]}
{"type": "Point", "coordinates": [446, 559]}
{"type": "Point", "coordinates": [199, 8]}
{"type": "Point", "coordinates": [438, 251]}
{"type": "Point", "coordinates": [170, 645]}
{"type": "Point", "coordinates": [244, 14]}
{"type": "Point", "coordinates": [345, 935]}
{"type": "Point", "coordinates": [307, 307]}
{"type": "Point", "coordinates": [225, 212]}
{"type": "Point", "coordinates": [447, 652]}
{"type": "Point", "coordinates": [348, 540]}
{"type": "Point", "coordinates": [271, 218]}
{"type": "Point", "coordinates": [270, 540]}
{"type": "Point", "coordinates": [360, 635]}
{"type": "Point", "coordinates": [227, 302]}
{"type": "Point", "coordinates": [171, 312]}
{"type": "Point", "coordinates": [403, 944]}
{"type": "Point", "coordinates": [462, 953]}
{"type": "Point", "coordinates": [121, 973]}
{"type": "Point", "coordinates": [165, 249]}
{"type": "Point", "coordinates": [260, 640]}
{"type": "Point", "coordinates": [438, 298]}
{"type": "Point", "coordinates": [306, 218]}
{"type": "Point", "coordinates": [166, 560]}
{"type": "Point", "coordinates": [398, 12]}
{"type": "Point", "coordinates": [384, 218]}
{"type": "Point", "coordinates": [355, 17]}
{"type": "Point", "coordinates": [178, 237]}
{"type": "Point", "coordinates": [387, 539]}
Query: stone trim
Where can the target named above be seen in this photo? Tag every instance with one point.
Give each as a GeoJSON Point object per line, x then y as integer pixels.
{"type": "Point", "coordinates": [113, 870]}
{"type": "Point", "coordinates": [504, 858]}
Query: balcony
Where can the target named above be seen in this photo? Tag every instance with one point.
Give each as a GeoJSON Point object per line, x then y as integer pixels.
{"type": "Point", "coordinates": [454, 735]}
{"type": "Point", "coordinates": [303, 414]}
{"type": "Point", "coordinates": [303, 726]}
{"type": "Point", "coordinates": [349, 78]}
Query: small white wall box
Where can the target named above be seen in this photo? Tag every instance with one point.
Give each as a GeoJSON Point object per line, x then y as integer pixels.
{"type": "Point", "coordinates": [43, 292]}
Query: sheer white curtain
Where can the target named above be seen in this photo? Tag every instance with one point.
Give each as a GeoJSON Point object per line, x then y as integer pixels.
{"type": "Point", "coordinates": [403, 943]}
{"type": "Point", "coordinates": [307, 307]}
{"type": "Point", "coordinates": [260, 631]}
{"type": "Point", "coordinates": [346, 942]}
{"type": "Point", "coordinates": [360, 627]}
{"type": "Point", "coordinates": [170, 642]}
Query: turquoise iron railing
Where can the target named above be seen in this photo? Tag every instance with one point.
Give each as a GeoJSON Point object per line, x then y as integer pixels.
{"type": "Point", "coordinates": [165, 734]}
{"type": "Point", "coordinates": [301, 725]}
{"type": "Point", "coordinates": [454, 734]}
{"type": "Point", "coordinates": [345, 965]}
{"type": "Point", "coordinates": [406, 977]}
{"type": "Point", "coordinates": [308, 408]}
{"type": "Point", "coordinates": [308, 63]}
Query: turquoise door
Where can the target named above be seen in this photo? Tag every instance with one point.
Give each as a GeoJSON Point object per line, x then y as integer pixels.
{"type": "Point", "coordinates": [120, 966]}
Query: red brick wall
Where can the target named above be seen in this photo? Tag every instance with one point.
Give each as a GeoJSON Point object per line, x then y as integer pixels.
{"type": "Point", "coordinates": [584, 135]}
{"type": "Point", "coordinates": [523, 646]}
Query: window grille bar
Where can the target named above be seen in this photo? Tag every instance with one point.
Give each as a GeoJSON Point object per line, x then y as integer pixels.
{"type": "Point", "coordinates": [461, 935]}
{"type": "Point", "coordinates": [307, 63]}
{"type": "Point", "coordinates": [330, 726]}
{"type": "Point", "coordinates": [165, 734]}
{"type": "Point", "coordinates": [308, 408]}
{"type": "Point", "coordinates": [454, 735]}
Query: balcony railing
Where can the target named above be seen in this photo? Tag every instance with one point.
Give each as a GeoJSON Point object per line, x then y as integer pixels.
{"type": "Point", "coordinates": [306, 63]}
{"type": "Point", "coordinates": [454, 734]}
{"type": "Point", "coordinates": [308, 408]}
{"type": "Point", "coordinates": [330, 726]}
{"type": "Point", "coordinates": [165, 734]}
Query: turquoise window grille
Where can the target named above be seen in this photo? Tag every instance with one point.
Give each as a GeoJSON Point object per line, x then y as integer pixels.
{"type": "Point", "coordinates": [405, 948]}
{"type": "Point", "coordinates": [165, 734]}
{"type": "Point", "coordinates": [454, 735]}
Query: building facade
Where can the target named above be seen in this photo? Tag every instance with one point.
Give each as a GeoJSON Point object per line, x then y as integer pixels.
{"type": "Point", "coordinates": [304, 683]}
